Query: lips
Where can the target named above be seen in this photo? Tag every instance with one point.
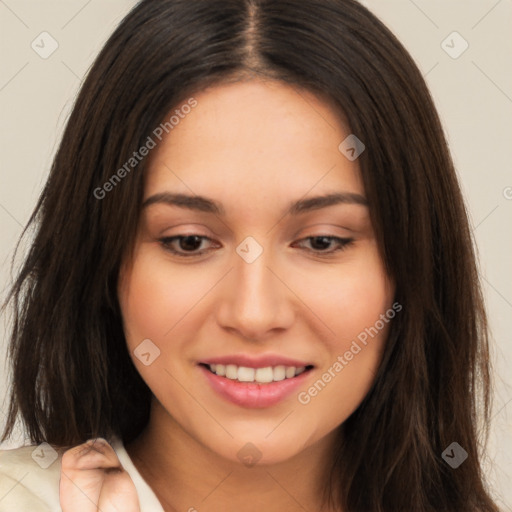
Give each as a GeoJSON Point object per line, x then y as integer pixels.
{"type": "Point", "coordinates": [255, 382]}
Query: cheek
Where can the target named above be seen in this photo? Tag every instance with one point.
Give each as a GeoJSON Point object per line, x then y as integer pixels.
{"type": "Point", "coordinates": [351, 302]}
{"type": "Point", "coordinates": [154, 297]}
{"type": "Point", "coordinates": [348, 298]}
{"type": "Point", "coordinates": [155, 300]}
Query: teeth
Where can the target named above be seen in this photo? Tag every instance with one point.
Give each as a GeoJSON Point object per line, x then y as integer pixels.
{"type": "Point", "coordinates": [280, 373]}
{"type": "Point", "coordinates": [231, 371]}
{"type": "Point", "coordinates": [264, 374]}
{"type": "Point", "coordinates": [246, 374]}
{"type": "Point", "coordinates": [260, 375]}
{"type": "Point", "coordinates": [290, 372]}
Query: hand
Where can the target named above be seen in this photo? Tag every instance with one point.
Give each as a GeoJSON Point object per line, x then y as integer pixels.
{"type": "Point", "coordinates": [93, 479]}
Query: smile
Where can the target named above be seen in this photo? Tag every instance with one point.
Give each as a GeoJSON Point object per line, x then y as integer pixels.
{"type": "Point", "coordinates": [255, 386]}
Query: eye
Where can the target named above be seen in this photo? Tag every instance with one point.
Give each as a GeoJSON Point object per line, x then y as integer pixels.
{"type": "Point", "coordinates": [185, 245]}
{"type": "Point", "coordinates": [190, 245]}
{"type": "Point", "coordinates": [321, 245]}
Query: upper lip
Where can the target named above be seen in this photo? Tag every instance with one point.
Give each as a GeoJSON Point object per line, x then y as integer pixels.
{"type": "Point", "coordinates": [262, 361]}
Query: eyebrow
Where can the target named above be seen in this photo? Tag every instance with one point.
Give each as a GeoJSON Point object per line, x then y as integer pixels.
{"type": "Point", "coordinates": [204, 204]}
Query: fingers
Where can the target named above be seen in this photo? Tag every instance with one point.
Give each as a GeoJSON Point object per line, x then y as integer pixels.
{"type": "Point", "coordinates": [92, 478]}
{"type": "Point", "coordinates": [118, 494]}
{"type": "Point", "coordinates": [95, 453]}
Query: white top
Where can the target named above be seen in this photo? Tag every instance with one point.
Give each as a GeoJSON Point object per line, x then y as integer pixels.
{"type": "Point", "coordinates": [30, 475]}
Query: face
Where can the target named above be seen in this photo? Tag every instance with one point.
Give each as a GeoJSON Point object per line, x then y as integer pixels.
{"type": "Point", "coordinates": [255, 310]}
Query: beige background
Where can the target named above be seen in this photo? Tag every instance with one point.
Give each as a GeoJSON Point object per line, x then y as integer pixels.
{"type": "Point", "coordinates": [473, 93]}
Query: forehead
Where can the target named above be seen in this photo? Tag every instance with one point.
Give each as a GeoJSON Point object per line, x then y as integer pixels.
{"type": "Point", "coordinates": [254, 139]}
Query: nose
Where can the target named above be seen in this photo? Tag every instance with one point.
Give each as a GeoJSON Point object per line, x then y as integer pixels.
{"type": "Point", "coordinates": [256, 302]}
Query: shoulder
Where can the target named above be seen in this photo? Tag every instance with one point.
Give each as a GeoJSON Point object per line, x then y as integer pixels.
{"type": "Point", "coordinates": [29, 479]}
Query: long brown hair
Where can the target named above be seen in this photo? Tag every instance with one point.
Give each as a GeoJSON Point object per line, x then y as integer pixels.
{"type": "Point", "coordinates": [72, 376]}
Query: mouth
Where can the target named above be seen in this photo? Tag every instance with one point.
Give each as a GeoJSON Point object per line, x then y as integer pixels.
{"type": "Point", "coordinates": [257, 385]}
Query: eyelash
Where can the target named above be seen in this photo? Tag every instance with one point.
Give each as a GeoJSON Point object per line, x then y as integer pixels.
{"type": "Point", "coordinates": [343, 244]}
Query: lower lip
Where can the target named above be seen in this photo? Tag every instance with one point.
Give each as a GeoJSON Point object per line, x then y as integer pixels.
{"type": "Point", "coordinates": [253, 395]}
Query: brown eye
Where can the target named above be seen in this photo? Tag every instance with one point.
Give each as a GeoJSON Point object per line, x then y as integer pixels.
{"type": "Point", "coordinates": [322, 244]}
{"type": "Point", "coordinates": [184, 245]}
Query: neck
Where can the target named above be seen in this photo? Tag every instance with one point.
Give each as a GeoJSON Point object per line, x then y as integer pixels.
{"type": "Point", "coordinates": [186, 475]}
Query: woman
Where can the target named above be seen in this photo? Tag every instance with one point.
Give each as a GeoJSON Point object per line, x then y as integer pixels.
{"type": "Point", "coordinates": [252, 277]}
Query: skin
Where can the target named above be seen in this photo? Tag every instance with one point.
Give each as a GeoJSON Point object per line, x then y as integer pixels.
{"type": "Point", "coordinates": [253, 146]}
{"type": "Point", "coordinates": [92, 479]}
